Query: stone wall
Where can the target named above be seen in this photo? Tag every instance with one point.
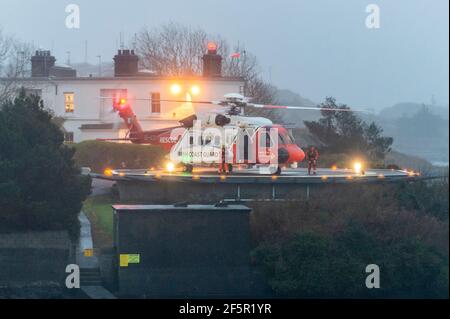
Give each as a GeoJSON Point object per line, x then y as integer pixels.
{"type": "Point", "coordinates": [35, 258]}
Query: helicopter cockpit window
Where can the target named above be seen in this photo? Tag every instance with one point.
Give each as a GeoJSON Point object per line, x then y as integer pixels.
{"type": "Point", "coordinates": [285, 138]}
{"type": "Point", "coordinates": [207, 140]}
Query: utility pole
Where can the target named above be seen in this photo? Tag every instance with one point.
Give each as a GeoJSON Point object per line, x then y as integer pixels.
{"type": "Point", "coordinates": [86, 52]}
{"type": "Point", "coordinates": [99, 65]}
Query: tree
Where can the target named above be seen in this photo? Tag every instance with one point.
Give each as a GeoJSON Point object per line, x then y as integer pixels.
{"type": "Point", "coordinates": [14, 64]}
{"type": "Point", "coordinates": [40, 187]}
{"type": "Point", "coordinates": [344, 132]}
{"type": "Point", "coordinates": [174, 49]}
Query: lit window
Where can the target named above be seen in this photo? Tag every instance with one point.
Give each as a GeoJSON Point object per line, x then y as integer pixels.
{"type": "Point", "coordinates": [156, 103]}
{"type": "Point", "coordinates": [68, 102]}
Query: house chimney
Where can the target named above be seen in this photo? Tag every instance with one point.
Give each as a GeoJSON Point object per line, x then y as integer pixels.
{"type": "Point", "coordinates": [41, 63]}
{"type": "Point", "coordinates": [212, 62]}
{"type": "Point", "coordinates": [126, 63]}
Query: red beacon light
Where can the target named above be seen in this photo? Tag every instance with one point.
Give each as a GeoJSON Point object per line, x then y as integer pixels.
{"type": "Point", "coordinates": [212, 47]}
{"type": "Point", "coordinates": [120, 103]}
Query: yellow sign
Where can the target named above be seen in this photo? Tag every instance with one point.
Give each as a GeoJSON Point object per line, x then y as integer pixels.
{"type": "Point", "coordinates": [123, 260]}
{"type": "Point", "coordinates": [88, 252]}
{"type": "Point", "coordinates": [127, 259]}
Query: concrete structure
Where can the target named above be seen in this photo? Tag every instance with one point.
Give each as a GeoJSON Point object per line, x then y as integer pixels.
{"type": "Point", "coordinates": [85, 103]}
{"type": "Point", "coordinates": [167, 251]}
{"type": "Point", "coordinates": [35, 258]}
{"type": "Point", "coordinates": [157, 187]}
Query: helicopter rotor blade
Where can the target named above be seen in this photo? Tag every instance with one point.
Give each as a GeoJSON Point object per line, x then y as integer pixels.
{"type": "Point", "coordinates": [164, 100]}
{"type": "Point", "coordinates": [312, 108]}
{"type": "Point", "coordinates": [261, 106]}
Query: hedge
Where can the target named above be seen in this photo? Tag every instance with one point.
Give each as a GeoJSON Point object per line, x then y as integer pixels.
{"type": "Point", "coordinates": [98, 155]}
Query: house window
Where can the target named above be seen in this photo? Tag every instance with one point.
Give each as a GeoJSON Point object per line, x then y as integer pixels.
{"type": "Point", "coordinates": [68, 102]}
{"type": "Point", "coordinates": [68, 137]}
{"type": "Point", "coordinates": [155, 103]}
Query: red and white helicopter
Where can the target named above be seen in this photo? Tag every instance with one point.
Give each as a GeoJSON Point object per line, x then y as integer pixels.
{"type": "Point", "coordinates": [220, 135]}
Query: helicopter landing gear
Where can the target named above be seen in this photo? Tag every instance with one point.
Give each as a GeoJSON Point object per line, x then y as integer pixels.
{"type": "Point", "coordinates": [225, 168]}
{"type": "Point", "coordinates": [188, 168]}
{"type": "Point", "coordinates": [278, 171]}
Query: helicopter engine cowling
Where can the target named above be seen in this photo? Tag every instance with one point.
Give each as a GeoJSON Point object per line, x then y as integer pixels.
{"type": "Point", "coordinates": [188, 122]}
{"type": "Point", "coordinates": [222, 120]}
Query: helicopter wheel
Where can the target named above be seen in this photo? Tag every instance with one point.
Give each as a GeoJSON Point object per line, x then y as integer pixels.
{"type": "Point", "coordinates": [188, 168]}
{"type": "Point", "coordinates": [278, 171]}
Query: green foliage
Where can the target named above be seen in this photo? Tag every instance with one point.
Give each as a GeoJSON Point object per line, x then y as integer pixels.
{"type": "Point", "coordinates": [320, 248]}
{"type": "Point", "coordinates": [40, 186]}
{"type": "Point", "coordinates": [99, 155]}
{"type": "Point", "coordinates": [318, 266]}
{"type": "Point", "coordinates": [100, 213]}
{"type": "Point", "coordinates": [344, 132]}
{"type": "Point", "coordinates": [428, 197]}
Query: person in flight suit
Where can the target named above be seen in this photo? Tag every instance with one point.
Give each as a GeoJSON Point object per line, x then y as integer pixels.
{"type": "Point", "coordinates": [312, 155]}
{"type": "Point", "coordinates": [224, 167]}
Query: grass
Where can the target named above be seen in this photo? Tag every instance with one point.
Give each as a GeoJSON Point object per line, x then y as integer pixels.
{"type": "Point", "coordinates": [98, 210]}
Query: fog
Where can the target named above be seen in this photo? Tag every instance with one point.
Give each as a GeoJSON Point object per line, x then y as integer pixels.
{"type": "Point", "coordinates": [315, 48]}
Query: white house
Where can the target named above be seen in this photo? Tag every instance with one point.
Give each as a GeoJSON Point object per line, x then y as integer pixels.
{"type": "Point", "coordinates": [85, 103]}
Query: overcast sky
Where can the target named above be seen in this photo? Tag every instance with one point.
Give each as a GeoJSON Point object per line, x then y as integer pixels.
{"type": "Point", "coordinates": [317, 48]}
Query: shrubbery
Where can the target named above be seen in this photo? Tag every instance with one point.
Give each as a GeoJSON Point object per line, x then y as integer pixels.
{"type": "Point", "coordinates": [40, 186]}
{"type": "Point", "coordinates": [321, 248]}
{"type": "Point", "coordinates": [313, 265]}
{"type": "Point", "coordinates": [99, 155]}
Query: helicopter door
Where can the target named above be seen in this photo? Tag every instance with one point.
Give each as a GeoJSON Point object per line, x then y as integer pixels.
{"type": "Point", "coordinates": [246, 146]}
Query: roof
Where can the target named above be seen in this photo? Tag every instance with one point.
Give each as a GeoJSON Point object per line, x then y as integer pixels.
{"type": "Point", "coordinates": [158, 208]}
{"type": "Point", "coordinates": [102, 126]}
{"type": "Point", "coordinates": [127, 78]}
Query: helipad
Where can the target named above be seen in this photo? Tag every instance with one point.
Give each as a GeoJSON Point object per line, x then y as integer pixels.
{"type": "Point", "coordinates": [253, 176]}
{"type": "Point", "coordinates": [207, 186]}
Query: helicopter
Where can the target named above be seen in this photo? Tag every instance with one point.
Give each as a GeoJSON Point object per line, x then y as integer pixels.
{"type": "Point", "coordinates": [221, 136]}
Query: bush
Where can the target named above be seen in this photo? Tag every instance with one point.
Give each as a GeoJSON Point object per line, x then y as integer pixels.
{"type": "Point", "coordinates": [318, 266]}
{"type": "Point", "coordinates": [99, 155]}
{"type": "Point", "coordinates": [320, 248]}
{"type": "Point", "coordinates": [427, 197]}
{"type": "Point", "coordinates": [40, 186]}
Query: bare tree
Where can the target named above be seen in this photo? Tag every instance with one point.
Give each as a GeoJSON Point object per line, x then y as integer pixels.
{"type": "Point", "coordinates": [14, 64]}
{"type": "Point", "coordinates": [174, 49]}
{"type": "Point", "coordinates": [171, 49]}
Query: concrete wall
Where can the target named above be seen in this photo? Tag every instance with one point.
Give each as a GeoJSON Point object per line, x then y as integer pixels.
{"type": "Point", "coordinates": [162, 192]}
{"type": "Point", "coordinates": [37, 257]}
{"type": "Point", "coordinates": [195, 251]}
